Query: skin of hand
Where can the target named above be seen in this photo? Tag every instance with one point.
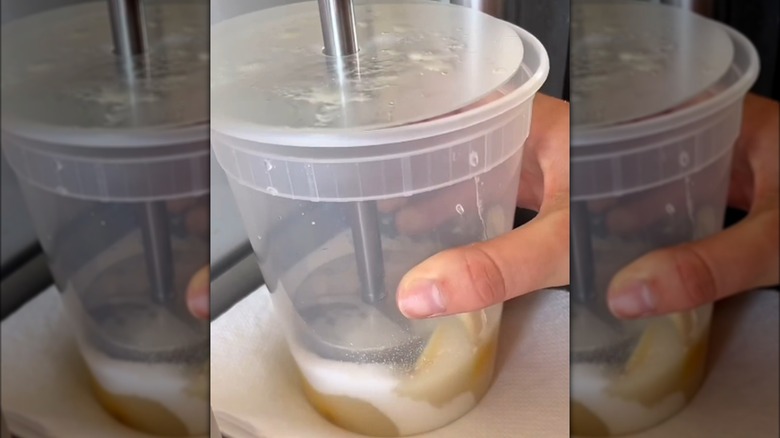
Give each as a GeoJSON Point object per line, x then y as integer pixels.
{"type": "Point", "coordinates": [742, 257]}
{"type": "Point", "coordinates": [197, 221]}
{"type": "Point", "coordinates": [532, 257]}
{"type": "Point", "coordinates": [198, 294]}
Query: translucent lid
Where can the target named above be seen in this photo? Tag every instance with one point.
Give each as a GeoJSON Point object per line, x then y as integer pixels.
{"type": "Point", "coordinates": [272, 83]}
{"type": "Point", "coordinates": [632, 60]}
{"type": "Point", "coordinates": [62, 83]}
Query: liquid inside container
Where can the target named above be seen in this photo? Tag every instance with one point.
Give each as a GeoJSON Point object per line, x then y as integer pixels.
{"type": "Point", "coordinates": [409, 146]}
{"type": "Point", "coordinates": [113, 166]}
{"type": "Point", "coordinates": [655, 180]}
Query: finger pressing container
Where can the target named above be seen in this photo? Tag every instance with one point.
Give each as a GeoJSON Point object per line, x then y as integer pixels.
{"type": "Point", "coordinates": [657, 97]}
{"type": "Point", "coordinates": [105, 123]}
{"type": "Point", "coordinates": [359, 141]}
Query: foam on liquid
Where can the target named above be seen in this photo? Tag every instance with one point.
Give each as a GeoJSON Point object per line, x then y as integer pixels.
{"type": "Point", "coordinates": [169, 399]}
{"type": "Point", "coordinates": [159, 398]}
{"type": "Point", "coordinates": [375, 399]}
{"type": "Point", "coordinates": [664, 372]}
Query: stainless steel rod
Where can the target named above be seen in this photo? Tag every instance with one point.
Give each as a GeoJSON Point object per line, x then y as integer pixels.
{"type": "Point", "coordinates": [127, 28]}
{"type": "Point", "coordinates": [338, 27]}
{"type": "Point", "coordinates": [368, 251]}
{"type": "Point", "coordinates": [340, 41]}
{"type": "Point", "coordinates": [583, 282]}
{"type": "Point", "coordinates": [490, 7]}
{"type": "Point", "coordinates": [157, 250]}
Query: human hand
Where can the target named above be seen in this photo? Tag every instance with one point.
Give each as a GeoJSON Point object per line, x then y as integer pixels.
{"type": "Point", "coordinates": [197, 218]}
{"type": "Point", "coordinates": [198, 294]}
{"type": "Point", "coordinates": [742, 257]}
{"type": "Point", "coordinates": [532, 257]}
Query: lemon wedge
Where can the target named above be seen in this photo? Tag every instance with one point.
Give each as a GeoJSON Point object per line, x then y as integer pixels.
{"type": "Point", "coordinates": [686, 324]}
{"type": "Point", "coordinates": [443, 370]}
{"type": "Point", "coordinates": [707, 223]}
{"type": "Point", "coordinates": [474, 323]}
{"type": "Point", "coordinates": [656, 366]}
{"type": "Point", "coordinates": [495, 223]}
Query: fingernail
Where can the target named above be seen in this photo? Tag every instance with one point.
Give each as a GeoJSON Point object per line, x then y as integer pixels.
{"type": "Point", "coordinates": [422, 299]}
{"type": "Point", "coordinates": [632, 301]}
{"type": "Point", "coordinates": [199, 304]}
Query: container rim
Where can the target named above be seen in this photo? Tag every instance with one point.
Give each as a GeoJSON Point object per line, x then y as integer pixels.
{"type": "Point", "coordinates": [583, 137]}
{"type": "Point", "coordinates": [406, 133]}
{"type": "Point", "coordinates": [97, 139]}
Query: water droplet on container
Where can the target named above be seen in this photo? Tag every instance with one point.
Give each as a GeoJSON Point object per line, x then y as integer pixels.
{"type": "Point", "coordinates": [444, 73]}
{"type": "Point", "coordinates": [473, 158]}
{"type": "Point", "coordinates": [313, 222]}
{"type": "Point", "coordinates": [268, 165]}
{"type": "Point", "coordinates": [684, 159]}
{"type": "Point", "coordinates": [670, 209]}
{"type": "Point", "coordinates": [271, 191]}
{"type": "Point", "coordinates": [459, 208]}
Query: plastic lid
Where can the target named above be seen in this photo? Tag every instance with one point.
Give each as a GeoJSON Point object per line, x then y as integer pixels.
{"type": "Point", "coordinates": [632, 60]}
{"type": "Point", "coordinates": [61, 82]}
{"type": "Point", "coordinates": [272, 83]}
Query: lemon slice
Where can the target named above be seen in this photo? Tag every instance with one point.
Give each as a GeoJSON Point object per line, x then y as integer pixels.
{"type": "Point", "coordinates": [707, 223]}
{"type": "Point", "coordinates": [443, 370]}
{"type": "Point", "coordinates": [656, 366]}
{"type": "Point", "coordinates": [474, 323]}
{"type": "Point", "coordinates": [584, 422]}
{"type": "Point", "coordinates": [495, 223]}
{"type": "Point", "coordinates": [686, 324]}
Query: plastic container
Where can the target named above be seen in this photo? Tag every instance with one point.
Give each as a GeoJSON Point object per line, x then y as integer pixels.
{"type": "Point", "coordinates": [114, 170]}
{"type": "Point", "coordinates": [638, 184]}
{"type": "Point", "coordinates": [413, 148]}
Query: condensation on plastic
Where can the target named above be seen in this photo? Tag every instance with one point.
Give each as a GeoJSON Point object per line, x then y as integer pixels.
{"type": "Point", "coordinates": [75, 125]}
{"type": "Point", "coordinates": [410, 162]}
{"type": "Point", "coordinates": [175, 171]}
{"type": "Point", "coordinates": [626, 158]}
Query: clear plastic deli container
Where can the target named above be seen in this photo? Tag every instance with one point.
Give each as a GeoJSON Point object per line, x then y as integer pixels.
{"type": "Point", "coordinates": [657, 96]}
{"type": "Point", "coordinates": [346, 181]}
{"type": "Point", "coordinates": [114, 167]}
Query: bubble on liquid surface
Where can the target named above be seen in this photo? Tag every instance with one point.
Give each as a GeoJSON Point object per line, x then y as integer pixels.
{"type": "Point", "coordinates": [670, 209]}
{"type": "Point", "coordinates": [459, 208]}
{"type": "Point", "coordinates": [271, 191]}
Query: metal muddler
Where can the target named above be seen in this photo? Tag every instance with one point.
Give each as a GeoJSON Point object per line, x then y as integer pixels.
{"type": "Point", "coordinates": [584, 292]}
{"type": "Point", "coordinates": [341, 47]}
{"type": "Point", "coordinates": [338, 33]}
{"type": "Point", "coordinates": [129, 34]}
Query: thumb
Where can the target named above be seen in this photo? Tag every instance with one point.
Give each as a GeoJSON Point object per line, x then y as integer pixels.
{"type": "Point", "coordinates": [198, 294]}
{"type": "Point", "coordinates": [669, 280]}
{"type": "Point", "coordinates": [476, 276]}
